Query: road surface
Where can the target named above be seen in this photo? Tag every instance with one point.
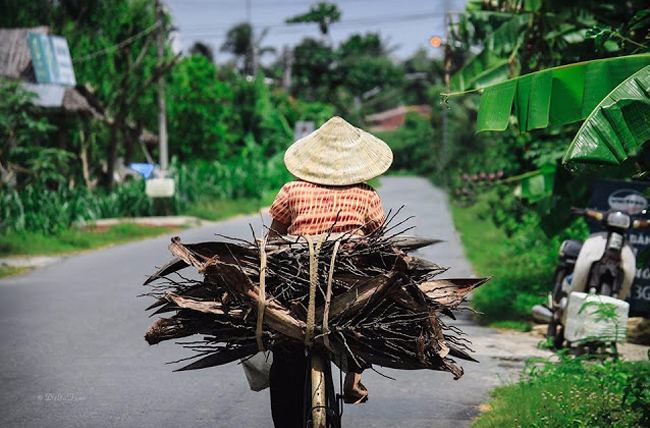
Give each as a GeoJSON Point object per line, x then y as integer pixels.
{"type": "Point", "coordinates": [72, 351]}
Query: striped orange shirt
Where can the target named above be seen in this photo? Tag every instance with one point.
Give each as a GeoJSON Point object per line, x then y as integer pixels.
{"type": "Point", "coordinates": [312, 209]}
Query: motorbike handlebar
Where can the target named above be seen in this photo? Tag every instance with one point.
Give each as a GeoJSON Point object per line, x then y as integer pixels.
{"type": "Point", "coordinates": [599, 216]}
{"type": "Point", "coordinates": [589, 213]}
{"type": "Point", "coordinates": [640, 224]}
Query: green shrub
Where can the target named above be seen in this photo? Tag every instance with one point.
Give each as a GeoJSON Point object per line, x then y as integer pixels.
{"type": "Point", "coordinates": [573, 393]}
{"type": "Point", "coordinates": [51, 210]}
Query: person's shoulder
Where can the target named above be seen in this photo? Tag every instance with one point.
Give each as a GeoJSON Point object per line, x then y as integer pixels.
{"type": "Point", "coordinates": [294, 185]}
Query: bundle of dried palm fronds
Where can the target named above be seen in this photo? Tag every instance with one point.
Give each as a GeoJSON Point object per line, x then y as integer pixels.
{"type": "Point", "coordinates": [370, 301]}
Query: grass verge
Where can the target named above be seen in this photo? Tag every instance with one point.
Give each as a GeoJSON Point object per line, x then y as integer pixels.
{"type": "Point", "coordinates": [72, 240]}
{"type": "Point", "coordinates": [573, 393]}
{"type": "Point", "coordinates": [222, 209]}
{"type": "Point", "coordinates": [521, 264]}
{"type": "Point", "coordinates": [512, 325]}
{"type": "Point", "coordinates": [6, 271]}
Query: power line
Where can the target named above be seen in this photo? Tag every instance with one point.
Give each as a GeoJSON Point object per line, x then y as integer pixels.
{"type": "Point", "coordinates": [283, 28]}
{"type": "Point", "coordinates": [119, 45]}
{"type": "Point", "coordinates": [293, 28]}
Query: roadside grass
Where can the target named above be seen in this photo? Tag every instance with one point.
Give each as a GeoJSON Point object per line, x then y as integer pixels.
{"type": "Point", "coordinates": [521, 265]}
{"type": "Point", "coordinates": [512, 325]}
{"type": "Point", "coordinates": [573, 393]}
{"type": "Point", "coordinates": [73, 240]}
{"type": "Point", "coordinates": [6, 271]}
{"type": "Point", "coordinates": [218, 209]}
{"type": "Point", "coordinates": [483, 242]}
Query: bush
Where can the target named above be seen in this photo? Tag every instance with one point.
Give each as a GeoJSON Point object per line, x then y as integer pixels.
{"type": "Point", "coordinates": [573, 393]}
{"type": "Point", "coordinates": [50, 210]}
{"type": "Point", "coordinates": [411, 145]}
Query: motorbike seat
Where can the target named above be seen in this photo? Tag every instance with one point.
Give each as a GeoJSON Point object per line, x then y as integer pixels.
{"type": "Point", "coordinates": [570, 248]}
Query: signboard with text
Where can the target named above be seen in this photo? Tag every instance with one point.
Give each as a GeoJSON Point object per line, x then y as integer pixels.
{"type": "Point", "coordinates": [51, 59]}
{"type": "Point", "coordinates": [628, 196]}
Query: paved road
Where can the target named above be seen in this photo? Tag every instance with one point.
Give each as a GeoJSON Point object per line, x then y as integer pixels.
{"type": "Point", "coordinates": [72, 351]}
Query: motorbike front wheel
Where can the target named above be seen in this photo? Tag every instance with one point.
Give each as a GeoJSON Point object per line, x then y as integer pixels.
{"type": "Point", "coordinates": [555, 332]}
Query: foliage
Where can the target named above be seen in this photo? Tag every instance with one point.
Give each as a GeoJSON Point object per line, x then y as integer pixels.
{"type": "Point", "coordinates": [203, 49]}
{"type": "Point", "coordinates": [219, 209]}
{"type": "Point", "coordinates": [52, 210]}
{"type": "Point", "coordinates": [521, 37]}
{"type": "Point", "coordinates": [36, 208]}
{"type": "Point", "coordinates": [24, 132]}
{"type": "Point", "coordinates": [618, 126]}
{"type": "Point", "coordinates": [200, 112]}
{"type": "Point", "coordinates": [422, 75]}
{"type": "Point", "coordinates": [245, 47]}
{"type": "Point", "coordinates": [322, 13]}
{"type": "Point", "coordinates": [411, 145]}
{"type": "Point", "coordinates": [573, 393]}
{"type": "Point", "coordinates": [554, 96]}
{"type": "Point", "coordinates": [357, 77]}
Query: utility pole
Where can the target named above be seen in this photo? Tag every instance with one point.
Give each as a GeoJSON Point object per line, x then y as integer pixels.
{"type": "Point", "coordinates": [445, 113]}
{"type": "Point", "coordinates": [162, 110]}
{"type": "Point", "coordinates": [287, 58]}
{"type": "Point", "coordinates": [252, 47]}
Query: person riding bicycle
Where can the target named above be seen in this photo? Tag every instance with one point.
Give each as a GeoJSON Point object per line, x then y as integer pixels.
{"type": "Point", "coordinates": [330, 195]}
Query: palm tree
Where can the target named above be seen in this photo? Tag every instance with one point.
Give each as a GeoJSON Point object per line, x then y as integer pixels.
{"type": "Point", "coordinates": [247, 49]}
{"type": "Point", "coordinates": [323, 13]}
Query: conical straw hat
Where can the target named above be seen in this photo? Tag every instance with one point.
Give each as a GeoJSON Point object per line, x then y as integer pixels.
{"type": "Point", "coordinates": [338, 154]}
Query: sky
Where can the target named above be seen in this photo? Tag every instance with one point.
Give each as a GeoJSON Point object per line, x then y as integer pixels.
{"type": "Point", "coordinates": [405, 24]}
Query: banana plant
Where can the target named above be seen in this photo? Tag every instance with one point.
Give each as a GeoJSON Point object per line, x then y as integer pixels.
{"type": "Point", "coordinates": [554, 96]}
{"type": "Point", "coordinates": [618, 126]}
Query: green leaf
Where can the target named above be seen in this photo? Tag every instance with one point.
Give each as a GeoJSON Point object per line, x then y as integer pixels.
{"type": "Point", "coordinates": [485, 63]}
{"type": "Point", "coordinates": [618, 126]}
{"type": "Point", "coordinates": [491, 64]}
{"type": "Point", "coordinates": [555, 96]}
{"type": "Point", "coordinates": [539, 103]}
{"type": "Point", "coordinates": [509, 35]}
{"type": "Point", "coordinates": [532, 5]}
{"type": "Point", "coordinates": [494, 112]}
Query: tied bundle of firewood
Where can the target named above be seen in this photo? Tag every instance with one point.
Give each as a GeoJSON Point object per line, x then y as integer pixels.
{"type": "Point", "coordinates": [360, 299]}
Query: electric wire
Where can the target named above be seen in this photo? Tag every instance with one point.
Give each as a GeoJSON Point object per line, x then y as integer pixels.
{"type": "Point", "coordinates": [119, 45]}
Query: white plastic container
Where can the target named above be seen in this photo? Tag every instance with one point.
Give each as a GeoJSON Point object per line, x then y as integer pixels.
{"type": "Point", "coordinates": [159, 187]}
{"type": "Point", "coordinates": [591, 317]}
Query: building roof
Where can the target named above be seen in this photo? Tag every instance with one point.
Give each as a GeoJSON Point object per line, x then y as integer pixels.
{"type": "Point", "coordinates": [398, 111]}
{"type": "Point", "coordinates": [15, 57]}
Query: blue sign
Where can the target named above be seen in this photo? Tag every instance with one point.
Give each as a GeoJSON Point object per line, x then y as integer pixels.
{"type": "Point", "coordinates": [144, 169]}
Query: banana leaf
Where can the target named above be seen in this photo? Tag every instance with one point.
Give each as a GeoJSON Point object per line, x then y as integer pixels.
{"type": "Point", "coordinates": [491, 65]}
{"type": "Point", "coordinates": [535, 185]}
{"type": "Point", "coordinates": [482, 70]}
{"type": "Point", "coordinates": [618, 126]}
{"type": "Point", "coordinates": [555, 96]}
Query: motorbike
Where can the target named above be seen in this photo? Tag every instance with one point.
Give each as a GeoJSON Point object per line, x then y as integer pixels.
{"type": "Point", "coordinates": [604, 264]}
